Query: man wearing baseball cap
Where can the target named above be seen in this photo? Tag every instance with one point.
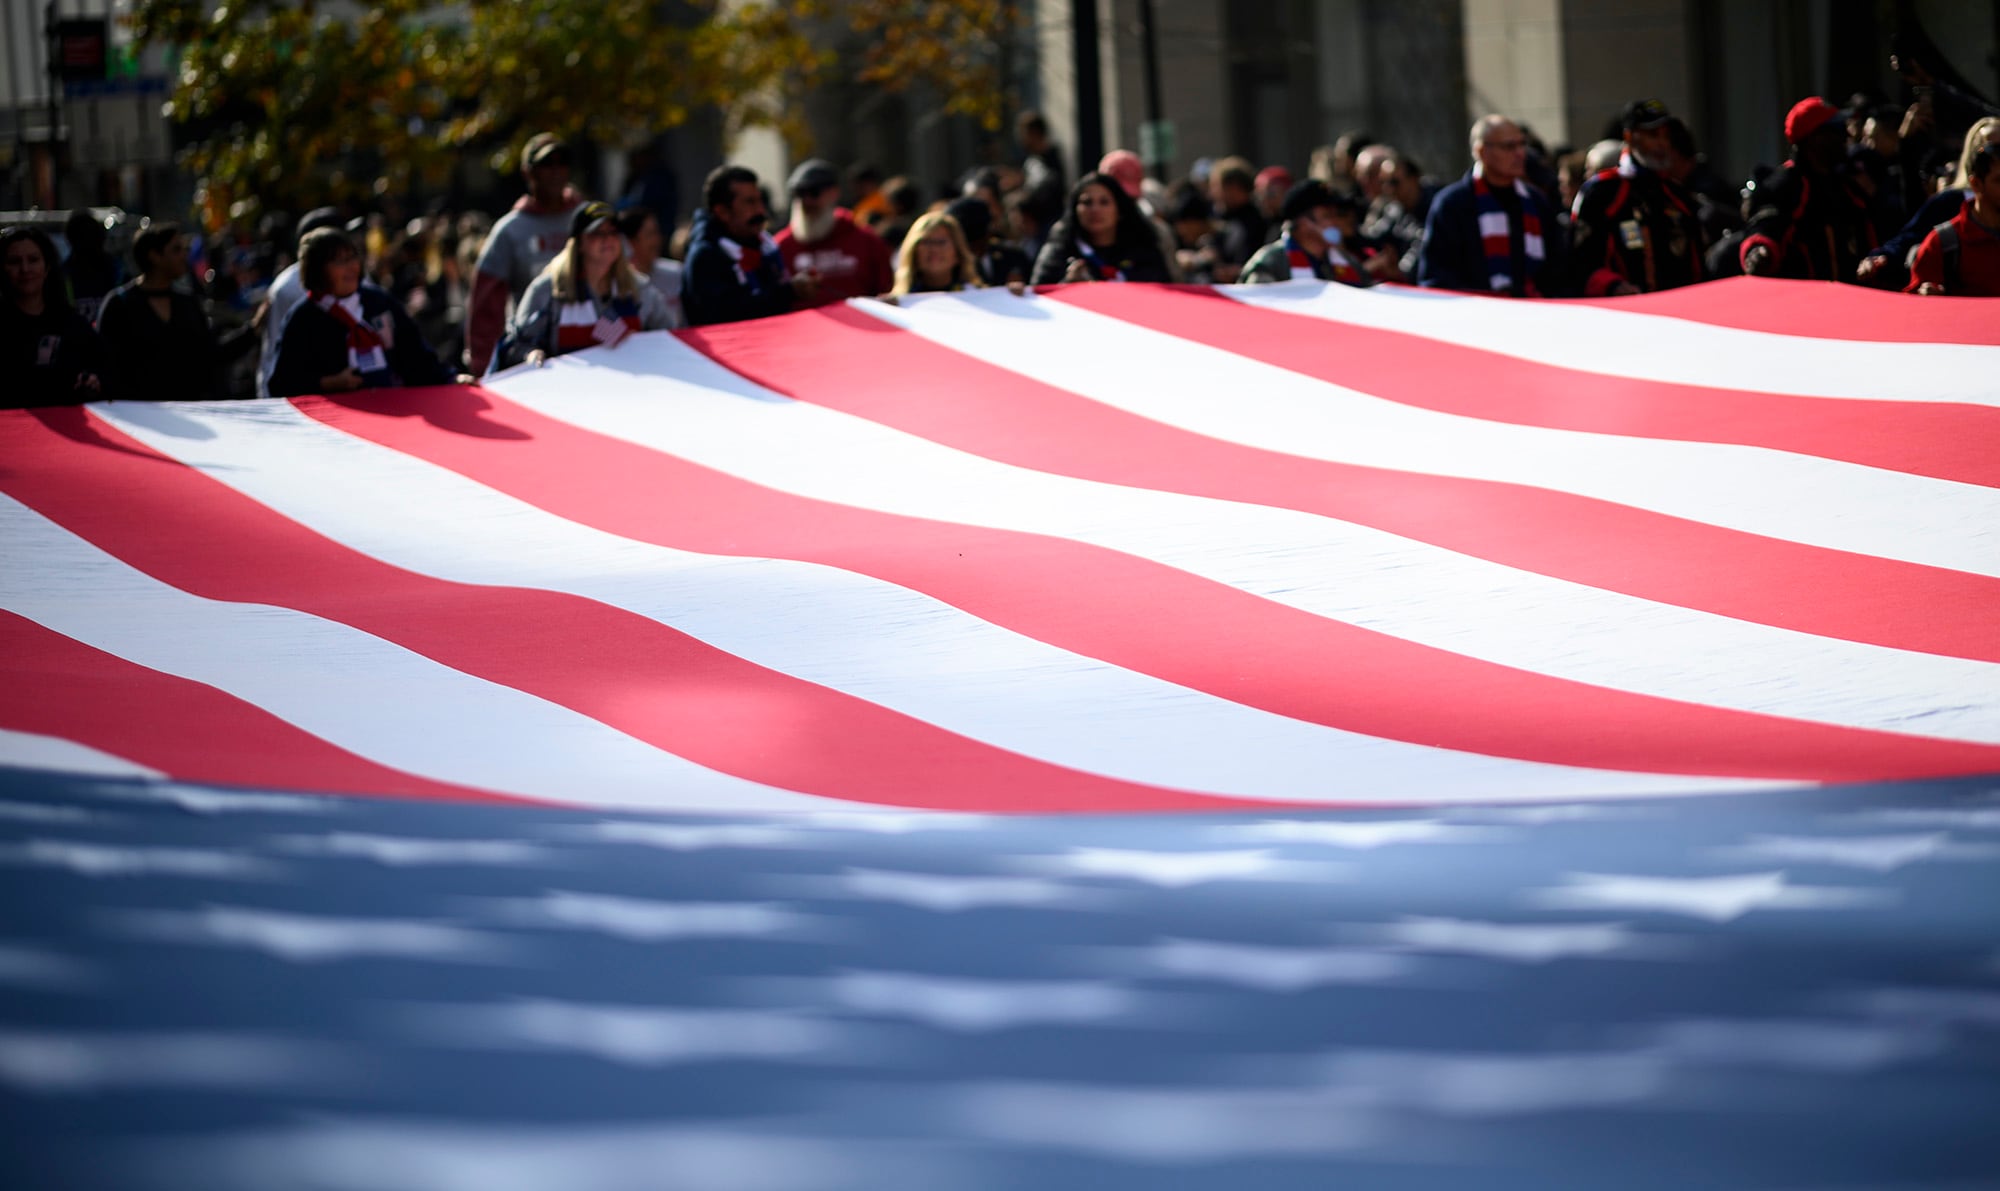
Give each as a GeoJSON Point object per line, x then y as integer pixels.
{"type": "Point", "coordinates": [822, 240]}
{"type": "Point", "coordinates": [520, 245]}
{"type": "Point", "coordinates": [1310, 242]}
{"type": "Point", "coordinates": [1812, 221]}
{"type": "Point", "coordinates": [1636, 230]}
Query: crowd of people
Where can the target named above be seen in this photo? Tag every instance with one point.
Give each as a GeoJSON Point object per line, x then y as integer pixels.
{"type": "Point", "coordinates": [341, 302]}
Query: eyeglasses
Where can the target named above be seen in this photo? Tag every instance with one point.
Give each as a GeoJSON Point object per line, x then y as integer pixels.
{"type": "Point", "coordinates": [1507, 146]}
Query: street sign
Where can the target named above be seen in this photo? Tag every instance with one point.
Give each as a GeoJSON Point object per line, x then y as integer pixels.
{"type": "Point", "coordinates": [1158, 142]}
{"type": "Point", "coordinates": [80, 48]}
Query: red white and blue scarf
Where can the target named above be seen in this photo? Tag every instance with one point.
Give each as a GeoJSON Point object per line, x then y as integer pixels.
{"type": "Point", "coordinates": [750, 259]}
{"type": "Point", "coordinates": [1304, 268]}
{"type": "Point", "coordinates": [1494, 232]}
{"type": "Point", "coordinates": [583, 323]}
{"type": "Point", "coordinates": [1105, 270]}
{"type": "Point", "coordinates": [367, 347]}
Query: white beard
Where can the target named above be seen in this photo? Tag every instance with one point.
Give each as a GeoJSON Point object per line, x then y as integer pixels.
{"type": "Point", "coordinates": [1656, 164]}
{"type": "Point", "coordinates": [807, 230]}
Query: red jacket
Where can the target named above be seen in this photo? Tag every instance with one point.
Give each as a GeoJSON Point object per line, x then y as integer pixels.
{"type": "Point", "coordinates": [852, 262]}
{"type": "Point", "coordinates": [1978, 259]}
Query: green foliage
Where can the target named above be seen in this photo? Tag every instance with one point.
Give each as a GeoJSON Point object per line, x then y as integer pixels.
{"type": "Point", "coordinates": [285, 97]}
{"type": "Point", "coordinates": [953, 47]}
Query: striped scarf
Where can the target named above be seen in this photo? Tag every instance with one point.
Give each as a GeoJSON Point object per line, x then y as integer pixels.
{"type": "Point", "coordinates": [1493, 233]}
{"type": "Point", "coordinates": [366, 346]}
{"type": "Point", "coordinates": [579, 325]}
{"type": "Point", "coordinates": [1304, 268]}
{"type": "Point", "coordinates": [1105, 270]}
{"type": "Point", "coordinates": [750, 261]}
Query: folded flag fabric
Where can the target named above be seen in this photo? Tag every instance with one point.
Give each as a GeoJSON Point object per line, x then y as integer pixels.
{"type": "Point", "coordinates": [246, 990]}
{"type": "Point", "coordinates": [1103, 548]}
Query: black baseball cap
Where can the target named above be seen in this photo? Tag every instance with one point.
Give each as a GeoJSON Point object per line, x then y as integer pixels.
{"type": "Point", "coordinates": [974, 217]}
{"type": "Point", "coordinates": [544, 148]}
{"type": "Point", "coordinates": [318, 218]}
{"type": "Point", "coordinates": [1645, 113]}
{"type": "Point", "coordinates": [589, 217]}
{"type": "Point", "coordinates": [1312, 194]}
{"type": "Point", "coordinates": [812, 176]}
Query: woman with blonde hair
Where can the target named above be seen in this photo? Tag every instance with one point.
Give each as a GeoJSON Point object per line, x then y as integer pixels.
{"type": "Point", "coordinates": [1888, 266]}
{"type": "Point", "coordinates": [589, 295]}
{"type": "Point", "coordinates": [935, 258]}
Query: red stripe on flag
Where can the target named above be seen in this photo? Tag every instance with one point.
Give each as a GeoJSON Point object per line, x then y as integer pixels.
{"type": "Point", "coordinates": [1129, 611]}
{"type": "Point", "coordinates": [833, 357]}
{"type": "Point", "coordinates": [1816, 310]}
{"type": "Point", "coordinates": [649, 681]}
{"type": "Point", "coordinates": [185, 729]}
{"type": "Point", "coordinates": [1945, 441]}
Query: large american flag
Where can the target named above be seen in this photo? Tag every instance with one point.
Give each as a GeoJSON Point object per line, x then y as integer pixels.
{"type": "Point", "coordinates": [1433, 606]}
{"type": "Point", "coordinates": [1105, 548]}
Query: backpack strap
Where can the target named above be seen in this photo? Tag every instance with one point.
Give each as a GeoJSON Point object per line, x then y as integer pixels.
{"type": "Point", "coordinates": [1947, 238]}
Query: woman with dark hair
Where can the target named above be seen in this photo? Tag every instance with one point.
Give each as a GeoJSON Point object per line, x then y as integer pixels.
{"type": "Point", "coordinates": [344, 336]}
{"type": "Point", "coordinates": [158, 345]}
{"type": "Point", "coordinates": [1102, 237]}
{"type": "Point", "coordinates": [589, 295]}
{"type": "Point", "coordinates": [643, 241]}
{"type": "Point", "coordinates": [48, 352]}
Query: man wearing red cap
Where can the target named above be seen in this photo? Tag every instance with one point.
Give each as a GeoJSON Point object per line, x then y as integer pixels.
{"type": "Point", "coordinates": [1635, 228]}
{"type": "Point", "coordinates": [1811, 220]}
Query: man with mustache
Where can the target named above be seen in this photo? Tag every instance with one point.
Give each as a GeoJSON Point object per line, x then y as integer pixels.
{"type": "Point", "coordinates": [734, 270]}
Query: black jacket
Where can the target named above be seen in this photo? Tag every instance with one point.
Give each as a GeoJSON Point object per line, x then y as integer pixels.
{"type": "Point", "coordinates": [1136, 255]}
{"type": "Point", "coordinates": [1454, 253]}
{"type": "Point", "coordinates": [42, 356]}
{"type": "Point", "coordinates": [1817, 228]}
{"type": "Point", "coordinates": [176, 360]}
{"type": "Point", "coordinates": [712, 293]}
{"type": "Point", "coordinates": [1002, 262]}
{"type": "Point", "coordinates": [1643, 228]}
{"type": "Point", "coordinates": [313, 346]}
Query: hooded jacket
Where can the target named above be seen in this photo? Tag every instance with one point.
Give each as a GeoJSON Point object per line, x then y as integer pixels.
{"type": "Point", "coordinates": [729, 282]}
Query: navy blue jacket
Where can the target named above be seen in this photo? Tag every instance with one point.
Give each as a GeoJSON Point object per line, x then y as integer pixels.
{"type": "Point", "coordinates": [1939, 208]}
{"type": "Point", "coordinates": [1454, 254]}
{"type": "Point", "coordinates": [313, 346]}
{"type": "Point", "coordinates": [710, 290]}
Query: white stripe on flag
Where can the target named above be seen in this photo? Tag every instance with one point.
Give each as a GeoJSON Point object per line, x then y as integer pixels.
{"type": "Point", "coordinates": [372, 698]}
{"type": "Point", "coordinates": [872, 639]}
{"type": "Point", "coordinates": [1655, 347]}
{"type": "Point", "coordinates": [1361, 576]}
{"type": "Point", "coordinates": [1839, 506]}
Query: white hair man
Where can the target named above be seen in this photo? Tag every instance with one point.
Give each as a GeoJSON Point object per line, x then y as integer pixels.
{"type": "Point", "coordinates": [1491, 232]}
